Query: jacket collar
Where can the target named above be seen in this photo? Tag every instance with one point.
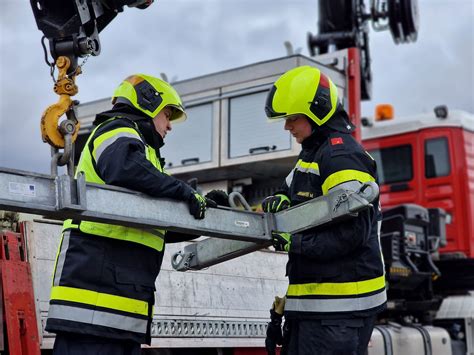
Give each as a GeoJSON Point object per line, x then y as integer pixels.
{"type": "Point", "coordinates": [338, 123]}
{"type": "Point", "coordinates": [144, 123]}
{"type": "Point", "coordinates": [315, 139]}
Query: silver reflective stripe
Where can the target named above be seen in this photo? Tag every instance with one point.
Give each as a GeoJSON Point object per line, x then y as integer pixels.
{"type": "Point", "coordinates": [379, 228]}
{"type": "Point", "coordinates": [335, 305]}
{"type": "Point", "coordinates": [95, 317]}
{"type": "Point", "coordinates": [61, 257]}
{"type": "Point", "coordinates": [289, 178]}
{"type": "Point", "coordinates": [307, 170]}
{"type": "Point", "coordinates": [352, 185]}
{"type": "Point", "coordinates": [108, 142]}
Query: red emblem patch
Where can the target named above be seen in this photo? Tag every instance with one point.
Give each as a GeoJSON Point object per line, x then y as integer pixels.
{"type": "Point", "coordinates": [337, 140]}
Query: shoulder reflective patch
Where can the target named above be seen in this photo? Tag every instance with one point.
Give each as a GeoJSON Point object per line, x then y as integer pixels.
{"type": "Point", "coordinates": [336, 141]}
{"type": "Point", "coordinates": [307, 167]}
{"type": "Point", "coordinates": [105, 140]}
{"type": "Point", "coordinates": [342, 176]}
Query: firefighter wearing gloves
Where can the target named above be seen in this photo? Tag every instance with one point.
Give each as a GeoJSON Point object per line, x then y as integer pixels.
{"type": "Point", "coordinates": [274, 331]}
{"type": "Point", "coordinates": [275, 203]}
{"type": "Point", "coordinates": [336, 273]}
{"type": "Point", "coordinates": [104, 279]}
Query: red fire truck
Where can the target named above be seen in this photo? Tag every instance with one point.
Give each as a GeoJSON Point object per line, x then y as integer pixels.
{"type": "Point", "coordinates": [428, 159]}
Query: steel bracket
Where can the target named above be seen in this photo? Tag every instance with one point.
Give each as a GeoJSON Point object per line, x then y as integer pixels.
{"type": "Point", "coordinates": [71, 193]}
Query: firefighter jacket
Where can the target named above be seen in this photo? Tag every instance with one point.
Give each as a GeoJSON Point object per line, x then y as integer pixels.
{"type": "Point", "coordinates": [337, 271]}
{"type": "Point", "coordinates": [104, 277]}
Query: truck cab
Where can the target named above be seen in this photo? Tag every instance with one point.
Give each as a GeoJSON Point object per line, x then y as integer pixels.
{"type": "Point", "coordinates": [429, 161]}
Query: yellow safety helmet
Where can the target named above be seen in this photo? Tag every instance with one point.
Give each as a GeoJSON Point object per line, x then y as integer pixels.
{"type": "Point", "coordinates": [149, 95]}
{"type": "Point", "coordinates": [302, 90]}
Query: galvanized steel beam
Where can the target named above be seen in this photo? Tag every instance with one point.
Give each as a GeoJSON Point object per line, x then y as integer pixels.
{"type": "Point", "coordinates": [62, 197]}
{"type": "Point", "coordinates": [331, 208]}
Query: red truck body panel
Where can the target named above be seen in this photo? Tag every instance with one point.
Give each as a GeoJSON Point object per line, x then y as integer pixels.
{"type": "Point", "coordinates": [453, 191]}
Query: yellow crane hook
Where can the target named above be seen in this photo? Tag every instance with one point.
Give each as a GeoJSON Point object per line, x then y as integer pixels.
{"type": "Point", "coordinates": [65, 87]}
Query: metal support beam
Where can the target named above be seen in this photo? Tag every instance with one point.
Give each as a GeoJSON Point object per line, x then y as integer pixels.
{"type": "Point", "coordinates": [62, 197]}
{"type": "Point", "coordinates": [331, 208]}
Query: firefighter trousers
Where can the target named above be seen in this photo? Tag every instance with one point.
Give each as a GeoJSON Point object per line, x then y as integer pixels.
{"type": "Point", "coordinates": [329, 336]}
{"type": "Point", "coordinates": [83, 344]}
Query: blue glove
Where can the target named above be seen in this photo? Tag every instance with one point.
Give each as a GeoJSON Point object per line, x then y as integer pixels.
{"type": "Point", "coordinates": [281, 241]}
{"type": "Point", "coordinates": [275, 203]}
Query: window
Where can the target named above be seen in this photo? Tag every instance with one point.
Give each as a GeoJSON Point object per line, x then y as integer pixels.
{"type": "Point", "coordinates": [249, 130]}
{"type": "Point", "coordinates": [394, 164]}
{"type": "Point", "coordinates": [437, 158]}
{"type": "Point", "coordinates": [190, 142]}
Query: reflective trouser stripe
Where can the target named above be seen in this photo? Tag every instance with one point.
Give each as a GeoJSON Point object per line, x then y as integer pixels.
{"type": "Point", "coordinates": [98, 299]}
{"type": "Point", "coordinates": [337, 289]}
{"type": "Point", "coordinates": [95, 317]}
{"type": "Point", "coordinates": [336, 304]}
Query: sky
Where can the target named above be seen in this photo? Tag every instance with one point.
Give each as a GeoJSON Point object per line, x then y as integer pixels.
{"type": "Point", "coordinates": [185, 38]}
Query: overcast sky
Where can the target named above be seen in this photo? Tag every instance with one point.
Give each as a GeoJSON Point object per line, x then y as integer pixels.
{"type": "Point", "coordinates": [187, 38]}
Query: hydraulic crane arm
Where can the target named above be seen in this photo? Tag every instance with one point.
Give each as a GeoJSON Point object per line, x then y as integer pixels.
{"type": "Point", "coordinates": [72, 26]}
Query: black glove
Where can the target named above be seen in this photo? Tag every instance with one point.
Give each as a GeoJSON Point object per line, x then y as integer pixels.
{"type": "Point", "coordinates": [286, 337]}
{"type": "Point", "coordinates": [281, 241]}
{"type": "Point", "coordinates": [219, 196]}
{"type": "Point", "coordinates": [274, 337]}
{"type": "Point", "coordinates": [197, 205]}
{"type": "Point", "coordinates": [274, 332]}
{"type": "Point", "coordinates": [275, 203]}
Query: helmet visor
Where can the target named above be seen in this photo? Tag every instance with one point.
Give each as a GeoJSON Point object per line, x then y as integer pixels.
{"type": "Point", "coordinates": [178, 115]}
{"type": "Point", "coordinates": [272, 115]}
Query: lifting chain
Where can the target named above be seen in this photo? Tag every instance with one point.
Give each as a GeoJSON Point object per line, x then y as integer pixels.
{"type": "Point", "coordinates": [61, 135]}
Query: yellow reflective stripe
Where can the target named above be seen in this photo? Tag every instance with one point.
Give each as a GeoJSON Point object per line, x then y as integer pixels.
{"type": "Point", "coordinates": [152, 238]}
{"type": "Point", "coordinates": [107, 135]}
{"type": "Point", "coordinates": [307, 165]}
{"type": "Point", "coordinates": [152, 158]}
{"type": "Point", "coordinates": [68, 224]}
{"type": "Point", "coordinates": [337, 289]}
{"type": "Point", "coordinates": [57, 256]}
{"type": "Point", "coordinates": [98, 299]}
{"type": "Point", "coordinates": [344, 176]}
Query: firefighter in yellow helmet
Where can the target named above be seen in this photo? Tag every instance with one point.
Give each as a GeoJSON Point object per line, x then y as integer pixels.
{"type": "Point", "coordinates": [336, 273]}
{"type": "Point", "coordinates": [104, 279]}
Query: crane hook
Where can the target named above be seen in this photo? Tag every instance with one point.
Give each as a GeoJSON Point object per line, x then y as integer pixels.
{"type": "Point", "coordinates": [65, 87]}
